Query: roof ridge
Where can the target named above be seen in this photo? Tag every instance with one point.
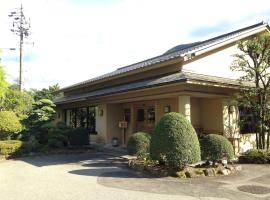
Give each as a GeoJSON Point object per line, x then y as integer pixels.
{"type": "Point", "coordinates": [218, 37]}
{"type": "Point", "coordinates": [198, 43]}
{"type": "Point", "coordinates": [164, 57]}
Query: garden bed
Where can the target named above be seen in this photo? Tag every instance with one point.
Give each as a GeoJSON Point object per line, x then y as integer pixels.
{"type": "Point", "coordinates": [200, 170]}
{"type": "Point", "coordinates": [255, 156]}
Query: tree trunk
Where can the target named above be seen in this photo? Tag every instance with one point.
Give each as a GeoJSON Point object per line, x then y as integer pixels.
{"type": "Point", "coordinates": [257, 141]}
{"type": "Point", "coordinates": [268, 137]}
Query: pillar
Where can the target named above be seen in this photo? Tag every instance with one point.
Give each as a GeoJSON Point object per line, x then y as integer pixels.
{"type": "Point", "coordinates": [184, 106]}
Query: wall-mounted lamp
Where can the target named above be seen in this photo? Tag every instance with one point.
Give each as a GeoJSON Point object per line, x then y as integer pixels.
{"type": "Point", "coordinates": [167, 109]}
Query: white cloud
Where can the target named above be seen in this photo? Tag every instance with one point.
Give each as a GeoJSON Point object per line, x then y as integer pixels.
{"type": "Point", "coordinates": [77, 41]}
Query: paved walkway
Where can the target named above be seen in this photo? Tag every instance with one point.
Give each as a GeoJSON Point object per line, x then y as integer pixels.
{"type": "Point", "coordinates": [101, 177]}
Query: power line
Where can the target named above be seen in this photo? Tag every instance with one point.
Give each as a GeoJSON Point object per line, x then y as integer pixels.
{"type": "Point", "coordinates": [21, 27]}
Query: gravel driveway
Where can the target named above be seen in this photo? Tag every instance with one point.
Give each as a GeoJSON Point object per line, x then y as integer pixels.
{"type": "Point", "coordinates": [100, 176]}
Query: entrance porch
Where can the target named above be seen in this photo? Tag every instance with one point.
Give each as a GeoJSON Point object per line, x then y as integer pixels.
{"type": "Point", "coordinates": [208, 114]}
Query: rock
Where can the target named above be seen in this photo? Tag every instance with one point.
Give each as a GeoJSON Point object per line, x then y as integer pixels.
{"type": "Point", "coordinates": [180, 174]}
{"type": "Point", "coordinates": [224, 172]}
{"type": "Point", "coordinates": [199, 171]}
{"type": "Point", "coordinates": [209, 172]}
{"type": "Point", "coordinates": [224, 162]}
{"type": "Point", "coordinates": [190, 173]}
{"type": "Point", "coordinates": [237, 168]}
{"type": "Point", "coordinates": [131, 163]}
{"type": "Point", "coordinates": [229, 167]}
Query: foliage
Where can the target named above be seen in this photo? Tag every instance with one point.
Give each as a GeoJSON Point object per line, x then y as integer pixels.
{"type": "Point", "coordinates": [18, 102]}
{"type": "Point", "coordinates": [11, 147]}
{"type": "Point", "coordinates": [9, 124]}
{"type": "Point", "coordinates": [54, 134]}
{"type": "Point", "coordinates": [42, 113]}
{"type": "Point", "coordinates": [3, 86]}
{"type": "Point", "coordinates": [58, 136]}
{"type": "Point", "coordinates": [254, 62]}
{"type": "Point", "coordinates": [175, 141]}
{"type": "Point", "coordinates": [138, 144]}
{"type": "Point", "coordinates": [255, 156]}
{"type": "Point", "coordinates": [32, 144]}
{"type": "Point", "coordinates": [79, 137]}
{"type": "Point", "coordinates": [43, 110]}
{"type": "Point", "coordinates": [51, 93]}
{"type": "Point", "coordinates": [216, 147]}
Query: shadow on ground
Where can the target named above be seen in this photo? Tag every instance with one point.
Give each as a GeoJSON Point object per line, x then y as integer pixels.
{"type": "Point", "coordinates": [47, 160]}
{"type": "Point", "coordinates": [114, 173]}
{"type": "Point", "coordinates": [111, 171]}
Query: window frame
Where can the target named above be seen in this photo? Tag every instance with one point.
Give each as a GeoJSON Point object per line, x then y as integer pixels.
{"type": "Point", "coordinates": [73, 118]}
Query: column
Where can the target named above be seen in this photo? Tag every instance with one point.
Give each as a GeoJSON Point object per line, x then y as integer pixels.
{"type": "Point", "coordinates": [184, 106]}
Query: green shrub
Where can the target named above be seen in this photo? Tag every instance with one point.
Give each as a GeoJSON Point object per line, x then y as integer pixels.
{"type": "Point", "coordinates": [175, 141]}
{"type": "Point", "coordinates": [10, 124]}
{"type": "Point", "coordinates": [55, 143]}
{"type": "Point", "coordinates": [32, 144]}
{"type": "Point", "coordinates": [79, 137]}
{"type": "Point", "coordinates": [11, 147]}
{"type": "Point", "coordinates": [138, 144]}
{"type": "Point", "coordinates": [255, 156]}
{"type": "Point", "coordinates": [55, 134]}
{"type": "Point", "coordinates": [216, 147]}
{"type": "Point", "coordinates": [57, 138]}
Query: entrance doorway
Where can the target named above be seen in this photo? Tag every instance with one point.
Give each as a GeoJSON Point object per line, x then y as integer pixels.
{"type": "Point", "coordinates": [145, 118]}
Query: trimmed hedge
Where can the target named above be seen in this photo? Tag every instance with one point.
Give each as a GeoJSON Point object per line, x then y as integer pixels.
{"type": "Point", "coordinates": [79, 137]}
{"type": "Point", "coordinates": [11, 147]}
{"type": "Point", "coordinates": [175, 141]}
{"type": "Point", "coordinates": [216, 147]}
{"type": "Point", "coordinates": [255, 156]}
{"type": "Point", "coordinates": [138, 144]}
{"type": "Point", "coordinates": [9, 124]}
{"type": "Point", "coordinates": [60, 135]}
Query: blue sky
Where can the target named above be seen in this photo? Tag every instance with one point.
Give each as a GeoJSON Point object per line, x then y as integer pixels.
{"type": "Point", "coordinates": [75, 40]}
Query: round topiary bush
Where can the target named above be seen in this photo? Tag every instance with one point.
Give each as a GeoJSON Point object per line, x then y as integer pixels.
{"type": "Point", "coordinates": [175, 141]}
{"type": "Point", "coordinates": [9, 124]}
{"type": "Point", "coordinates": [138, 144]}
{"type": "Point", "coordinates": [216, 147]}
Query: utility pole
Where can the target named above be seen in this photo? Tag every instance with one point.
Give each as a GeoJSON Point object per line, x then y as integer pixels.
{"type": "Point", "coordinates": [21, 27]}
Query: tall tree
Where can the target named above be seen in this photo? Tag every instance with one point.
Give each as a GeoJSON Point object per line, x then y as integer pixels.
{"type": "Point", "coordinates": [50, 93]}
{"type": "Point", "coordinates": [18, 101]}
{"type": "Point", "coordinates": [254, 63]}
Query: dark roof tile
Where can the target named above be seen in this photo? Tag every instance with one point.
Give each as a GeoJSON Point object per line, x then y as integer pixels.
{"type": "Point", "coordinates": [153, 82]}
{"type": "Point", "coordinates": [171, 54]}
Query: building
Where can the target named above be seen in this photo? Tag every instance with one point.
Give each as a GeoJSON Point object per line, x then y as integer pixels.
{"type": "Point", "coordinates": [194, 79]}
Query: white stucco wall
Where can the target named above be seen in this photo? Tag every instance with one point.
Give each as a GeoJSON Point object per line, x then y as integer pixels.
{"type": "Point", "coordinates": [217, 64]}
{"type": "Point", "coordinates": [101, 123]}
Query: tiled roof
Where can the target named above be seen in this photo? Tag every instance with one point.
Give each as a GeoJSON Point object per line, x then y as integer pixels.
{"type": "Point", "coordinates": [152, 82]}
{"type": "Point", "coordinates": [175, 52]}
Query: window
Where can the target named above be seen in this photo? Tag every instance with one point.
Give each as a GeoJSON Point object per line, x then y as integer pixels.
{"type": "Point", "coordinates": [84, 117]}
{"type": "Point", "coordinates": [91, 123]}
{"type": "Point", "coordinates": [140, 115]}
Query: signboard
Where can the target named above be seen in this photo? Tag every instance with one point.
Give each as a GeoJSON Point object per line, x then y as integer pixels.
{"type": "Point", "coordinates": [122, 124]}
